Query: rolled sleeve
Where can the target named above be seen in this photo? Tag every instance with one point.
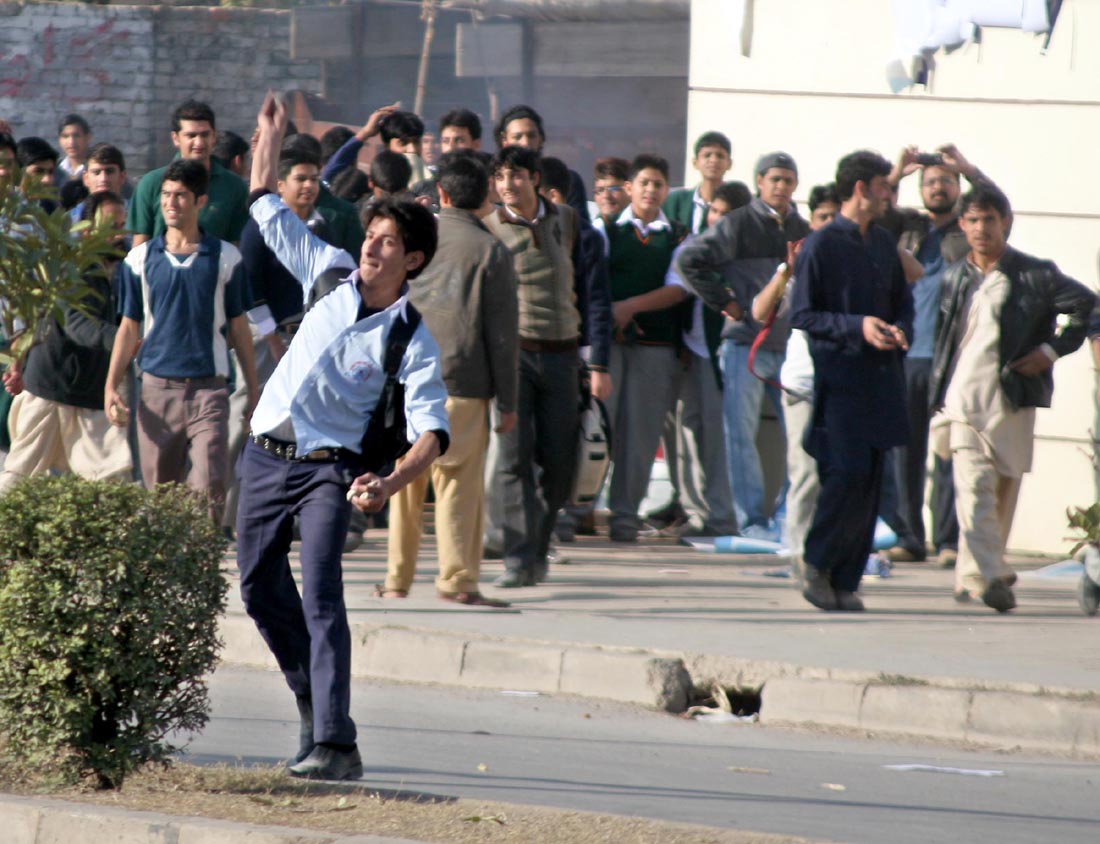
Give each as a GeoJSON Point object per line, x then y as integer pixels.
{"type": "Point", "coordinates": [425, 392]}
{"type": "Point", "coordinates": [304, 255]}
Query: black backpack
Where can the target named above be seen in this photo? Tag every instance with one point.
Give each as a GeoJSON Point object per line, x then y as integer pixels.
{"type": "Point", "coordinates": [386, 438]}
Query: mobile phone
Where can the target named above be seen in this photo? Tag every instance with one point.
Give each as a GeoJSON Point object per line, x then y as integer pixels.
{"type": "Point", "coordinates": [928, 159]}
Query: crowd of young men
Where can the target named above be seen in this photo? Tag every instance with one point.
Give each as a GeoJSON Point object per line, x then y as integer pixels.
{"type": "Point", "coordinates": [261, 327]}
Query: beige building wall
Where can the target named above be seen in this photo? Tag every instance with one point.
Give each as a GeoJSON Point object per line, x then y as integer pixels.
{"type": "Point", "coordinates": [815, 85]}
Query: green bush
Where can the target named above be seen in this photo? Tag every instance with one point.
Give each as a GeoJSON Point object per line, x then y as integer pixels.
{"type": "Point", "coordinates": [109, 600]}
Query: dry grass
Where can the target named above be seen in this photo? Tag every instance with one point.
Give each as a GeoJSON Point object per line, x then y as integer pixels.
{"type": "Point", "coordinates": [268, 796]}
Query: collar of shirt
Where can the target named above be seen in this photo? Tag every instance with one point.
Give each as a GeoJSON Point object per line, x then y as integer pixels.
{"type": "Point", "coordinates": [628, 216]}
{"type": "Point", "coordinates": [515, 215]}
{"type": "Point", "coordinates": [158, 244]}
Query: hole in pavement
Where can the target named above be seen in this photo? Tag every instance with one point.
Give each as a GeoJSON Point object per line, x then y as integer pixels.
{"type": "Point", "coordinates": [734, 699]}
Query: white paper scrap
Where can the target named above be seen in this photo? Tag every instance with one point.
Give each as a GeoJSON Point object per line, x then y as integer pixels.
{"type": "Point", "coordinates": [936, 769]}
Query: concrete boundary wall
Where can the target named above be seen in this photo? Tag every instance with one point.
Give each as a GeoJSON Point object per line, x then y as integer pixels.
{"type": "Point", "coordinates": [125, 68]}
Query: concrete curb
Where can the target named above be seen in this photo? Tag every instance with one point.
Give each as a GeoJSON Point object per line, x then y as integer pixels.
{"type": "Point", "coordinates": [1037, 720]}
{"type": "Point", "coordinates": [31, 820]}
{"type": "Point", "coordinates": [421, 656]}
{"type": "Point", "coordinates": [1002, 716]}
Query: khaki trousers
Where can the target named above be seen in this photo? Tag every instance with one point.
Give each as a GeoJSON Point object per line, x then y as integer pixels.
{"type": "Point", "coordinates": [458, 478]}
{"type": "Point", "coordinates": [986, 504]}
{"type": "Point", "coordinates": [50, 436]}
{"type": "Point", "coordinates": [182, 421]}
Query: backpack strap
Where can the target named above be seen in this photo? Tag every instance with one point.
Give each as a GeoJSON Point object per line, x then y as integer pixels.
{"type": "Point", "coordinates": [396, 343]}
{"type": "Point", "coordinates": [398, 339]}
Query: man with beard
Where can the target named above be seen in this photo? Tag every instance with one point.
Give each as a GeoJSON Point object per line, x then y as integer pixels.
{"type": "Point", "coordinates": [852, 300]}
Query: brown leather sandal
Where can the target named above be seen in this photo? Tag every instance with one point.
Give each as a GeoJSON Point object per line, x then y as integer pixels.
{"type": "Point", "coordinates": [472, 599]}
{"type": "Point", "coordinates": [380, 591]}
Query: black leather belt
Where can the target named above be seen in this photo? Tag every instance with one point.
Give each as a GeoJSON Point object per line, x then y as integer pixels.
{"type": "Point", "coordinates": [551, 346]}
{"type": "Point", "coordinates": [289, 451]}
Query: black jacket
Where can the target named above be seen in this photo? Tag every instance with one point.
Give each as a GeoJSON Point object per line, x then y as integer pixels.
{"type": "Point", "coordinates": [70, 365]}
{"type": "Point", "coordinates": [1038, 293]}
{"type": "Point", "coordinates": [733, 260]}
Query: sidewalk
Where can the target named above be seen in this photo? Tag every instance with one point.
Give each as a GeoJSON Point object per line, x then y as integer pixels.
{"type": "Point", "coordinates": [645, 623]}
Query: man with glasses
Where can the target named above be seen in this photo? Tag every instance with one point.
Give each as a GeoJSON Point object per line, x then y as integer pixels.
{"type": "Point", "coordinates": [933, 236]}
{"type": "Point", "coordinates": [609, 176]}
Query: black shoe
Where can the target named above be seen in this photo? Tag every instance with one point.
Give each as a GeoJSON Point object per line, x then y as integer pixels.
{"type": "Point", "coordinates": [663, 516]}
{"type": "Point", "coordinates": [586, 524]}
{"type": "Point", "coordinates": [541, 570]}
{"type": "Point", "coordinates": [998, 595]}
{"type": "Point", "coordinates": [565, 534]}
{"type": "Point", "coordinates": [623, 534]}
{"type": "Point", "coordinates": [488, 552]}
{"type": "Point", "coordinates": [327, 763]}
{"type": "Point", "coordinates": [817, 590]}
{"type": "Point", "coordinates": [848, 601]}
{"type": "Point", "coordinates": [514, 579]}
{"type": "Point", "coordinates": [305, 729]}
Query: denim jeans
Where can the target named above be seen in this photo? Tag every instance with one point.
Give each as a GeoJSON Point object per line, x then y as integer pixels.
{"type": "Point", "coordinates": [742, 397]}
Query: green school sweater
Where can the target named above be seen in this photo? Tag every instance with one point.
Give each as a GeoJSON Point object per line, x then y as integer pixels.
{"type": "Point", "coordinates": [637, 266]}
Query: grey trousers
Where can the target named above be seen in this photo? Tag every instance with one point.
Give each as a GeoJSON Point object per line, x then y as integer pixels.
{"type": "Point", "coordinates": [645, 380]}
{"type": "Point", "coordinates": [701, 470]}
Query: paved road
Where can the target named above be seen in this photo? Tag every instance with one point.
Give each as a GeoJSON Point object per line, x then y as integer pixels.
{"type": "Point", "coordinates": [604, 757]}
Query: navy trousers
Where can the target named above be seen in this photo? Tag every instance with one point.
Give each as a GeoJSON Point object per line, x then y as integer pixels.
{"type": "Point", "coordinates": [307, 633]}
{"type": "Point", "coordinates": [843, 526]}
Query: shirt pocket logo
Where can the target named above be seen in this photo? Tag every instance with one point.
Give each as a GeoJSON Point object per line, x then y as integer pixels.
{"type": "Point", "coordinates": [360, 371]}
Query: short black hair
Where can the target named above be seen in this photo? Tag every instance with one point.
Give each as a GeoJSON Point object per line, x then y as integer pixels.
{"type": "Point", "coordinates": [516, 158]}
{"type": "Point", "coordinates": [74, 120]}
{"type": "Point", "coordinates": [823, 193]}
{"type": "Point", "coordinates": [713, 139]}
{"type": "Point", "coordinates": [228, 145]}
{"type": "Point", "coordinates": [415, 224]}
{"type": "Point", "coordinates": [96, 201]}
{"type": "Point", "coordinates": [401, 125]}
{"type": "Point", "coordinates": [192, 110]}
{"type": "Point", "coordinates": [106, 154]}
{"type": "Point", "coordinates": [300, 144]}
{"type": "Point", "coordinates": [611, 167]}
{"type": "Point", "coordinates": [291, 159]}
{"type": "Point", "coordinates": [7, 142]}
{"type": "Point", "coordinates": [647, 161]}
{"type": "Point", "coordinates": [191, 174]}
{"type": "Point", "coordinates": [71, 194]}
{"type": "Point", "coordinates": [350, 184]}
{"type": "Point", "coordinates": [987, 197]}
{"type": "Point", "coordinates": [734, 194]}
{"type": "Point", "coordinates": [484, 156]}
{"type": "Point", "coordinates": [465, 180]}
{"type": "Point", "coordinates": [32, 149]}
{"type": "Point", "coordinates": [860, 166]}
{"type": "Point", "coordinates": [333, 139]}
{"type": "Point", "coordinates": [556, 176]}
{"type": "Point", "coordinates": [390, 171]}
{"type": "Point", "coordinates": [462, 118]}
{"type": "Point", "coordinates": [518, 112]}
